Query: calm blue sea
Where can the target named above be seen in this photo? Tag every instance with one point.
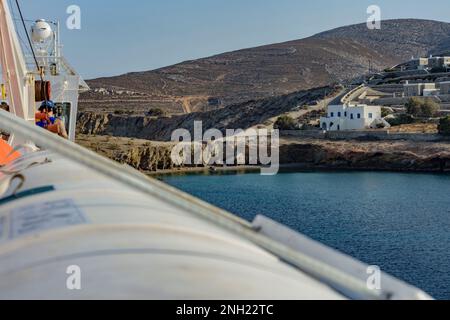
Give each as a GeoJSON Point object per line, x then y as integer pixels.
{"type": "Point", "coordinates": [400, 222]}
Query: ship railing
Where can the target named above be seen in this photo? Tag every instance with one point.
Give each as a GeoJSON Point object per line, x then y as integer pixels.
{"type": "Point", "coordinates": [340, 272]}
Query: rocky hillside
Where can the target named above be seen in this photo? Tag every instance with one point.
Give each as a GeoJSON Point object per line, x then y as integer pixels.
{"type": "Point", "coordinates": [402, 39]}
{"type": "Point", "coordinates": [267, 71]}
{"type": "Point", "coordinates": [238, 116]}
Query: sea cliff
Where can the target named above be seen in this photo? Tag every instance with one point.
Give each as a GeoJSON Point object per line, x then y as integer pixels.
{"type": "Point", "coordinates": [311, 154]}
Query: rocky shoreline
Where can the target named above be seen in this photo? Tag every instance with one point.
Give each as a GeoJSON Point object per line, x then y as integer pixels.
{"type": "Point", "coordinates": [404, 156]}
{"type": "Point", "coordinates": [302, 154]}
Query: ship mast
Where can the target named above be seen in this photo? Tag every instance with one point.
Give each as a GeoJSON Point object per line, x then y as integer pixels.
{"type": "Point", "coordinates": [19, 82]}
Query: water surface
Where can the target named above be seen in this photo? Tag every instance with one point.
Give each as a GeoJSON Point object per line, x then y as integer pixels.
{"type": "Point", "coordinates": [400, 222]}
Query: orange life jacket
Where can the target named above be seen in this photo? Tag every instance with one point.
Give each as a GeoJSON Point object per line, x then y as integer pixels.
{"type": "Point", "coordinates": [41, 119]}
{"type": "Point", "coordinates": [7, 153]}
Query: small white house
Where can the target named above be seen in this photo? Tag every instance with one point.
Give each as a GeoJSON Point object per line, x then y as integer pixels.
{"type": "Point", "coordinates": [351, 117]}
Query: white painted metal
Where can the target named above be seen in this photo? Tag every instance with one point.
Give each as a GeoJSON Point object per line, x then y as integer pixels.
{"type": "Point", "coordinates": [131, 236]}
{"type": "Point", "coordinates": [19, 82]}
{"type": "Point", "coordinates": [41, 31]}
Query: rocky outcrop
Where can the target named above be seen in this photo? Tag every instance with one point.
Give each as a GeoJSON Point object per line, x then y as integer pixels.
{"type": "Point", "coordinates": [303, 153]}
{"type": "Point", "coordinates": [372, 156]}
{"type": "Point", "coordinates": [150, 158]}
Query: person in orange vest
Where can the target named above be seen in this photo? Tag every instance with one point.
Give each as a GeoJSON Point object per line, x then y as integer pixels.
{"type": "Point", "coordinates": [7, 153]}
{"type": "Point", "coordinates": [41, 117]}
{"type": "Point", "coordinates": [46, 118]}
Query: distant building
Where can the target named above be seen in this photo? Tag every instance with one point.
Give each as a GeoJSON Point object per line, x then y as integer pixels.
{"type": "Point", "coordinates": [426, 89]}
{"type": "Point", "coordinates": [425, 64]}
{"type": "Point", "coordinates": [417, 89]}
{"type": "Point", "coordinates": [351, 117]}
{"type": "Point", "coordinates": [447, 61]}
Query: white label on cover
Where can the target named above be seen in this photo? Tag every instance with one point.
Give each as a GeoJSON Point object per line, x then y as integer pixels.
{"type": "Point", "coordinates": [45, 216]}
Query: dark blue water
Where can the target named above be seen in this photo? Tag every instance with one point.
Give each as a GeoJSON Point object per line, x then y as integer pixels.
{"type": "Point", "coordinates": [400, 222]}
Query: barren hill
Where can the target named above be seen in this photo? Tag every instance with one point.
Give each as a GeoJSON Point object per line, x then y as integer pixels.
{"type": "Point", "coordinates": [401, 39]}
{"type": "Point", "coordinates": [267, 71]}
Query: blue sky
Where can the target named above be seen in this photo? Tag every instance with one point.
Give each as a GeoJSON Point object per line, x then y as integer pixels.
{"type": "Point", "coordinates": [136, 35]}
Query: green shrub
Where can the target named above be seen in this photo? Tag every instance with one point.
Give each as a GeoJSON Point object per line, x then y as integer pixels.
{"type": "Point", "coordinates": [444, 126]}
{"type": "Point", "coordinates": [418, 107]}
{"type": "Point", "coordinates": [430, 108]}
{"type": "Point", "coordinates": [285, 123]}
{"type": "Point", "coordinates": [401, 119]}
{"type": "Point", "coordinates": [155, 112]}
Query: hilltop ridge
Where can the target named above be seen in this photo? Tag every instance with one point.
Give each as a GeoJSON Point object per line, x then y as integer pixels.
{"type": "Point", "coordinates": [268, 71]}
